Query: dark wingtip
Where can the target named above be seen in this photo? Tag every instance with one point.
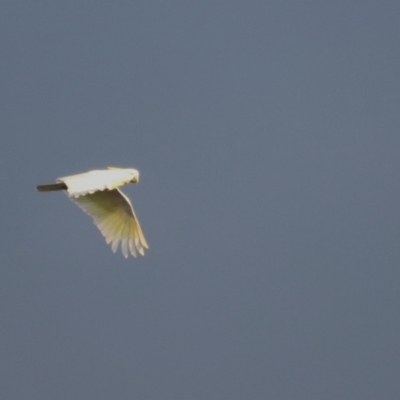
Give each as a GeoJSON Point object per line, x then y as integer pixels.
{"type": "Point", "coordinates": [52, 187]}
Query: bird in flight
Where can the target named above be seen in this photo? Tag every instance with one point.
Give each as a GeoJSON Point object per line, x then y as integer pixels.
{"type": "Point", "coordinates": [97, 194]}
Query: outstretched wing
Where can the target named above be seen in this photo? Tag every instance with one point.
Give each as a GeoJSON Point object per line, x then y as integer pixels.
{"type": "Point", "coordinates": [93, 181]}
{"type": "Point", "coordinates": [113, 214]}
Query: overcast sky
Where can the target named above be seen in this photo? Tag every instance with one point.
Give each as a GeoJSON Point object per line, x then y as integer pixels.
{"type": "Point", "coordinates": [267, 137]}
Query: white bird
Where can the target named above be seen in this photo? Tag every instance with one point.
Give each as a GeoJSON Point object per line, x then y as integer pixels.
{"type": "Point", "coordinates": [97, 194]}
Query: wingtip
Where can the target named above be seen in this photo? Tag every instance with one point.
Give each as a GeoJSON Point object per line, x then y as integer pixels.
{"type": "Point", "coordinates": [51, 187]}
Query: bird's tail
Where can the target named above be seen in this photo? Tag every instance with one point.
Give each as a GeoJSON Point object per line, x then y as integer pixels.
{"type": "Point", "coordinates": [52, 187]}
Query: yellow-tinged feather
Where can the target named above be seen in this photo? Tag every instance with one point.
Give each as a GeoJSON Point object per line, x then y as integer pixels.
{"type": "Point", "coordinates": [113, 214]}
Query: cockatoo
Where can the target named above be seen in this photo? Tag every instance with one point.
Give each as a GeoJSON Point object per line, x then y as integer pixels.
{"type": "Point", "coordinates": [97, 194]}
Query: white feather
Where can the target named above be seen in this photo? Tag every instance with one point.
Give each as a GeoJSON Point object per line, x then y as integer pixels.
{"type": "Point", "coordinates": [97, 194]}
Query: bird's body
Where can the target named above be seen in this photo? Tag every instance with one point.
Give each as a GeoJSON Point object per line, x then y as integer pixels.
{"type": "Point", "coordinates": [96, 193]}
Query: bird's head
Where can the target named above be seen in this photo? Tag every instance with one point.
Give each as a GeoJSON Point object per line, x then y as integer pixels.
{"type": "Point", "coordinates": [134, 176]}
{"type": "Point", "coordinates": [127, 175]}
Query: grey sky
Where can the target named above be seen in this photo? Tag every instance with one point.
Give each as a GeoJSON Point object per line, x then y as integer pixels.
{"type": "Point", "coordinates": [267, 137]}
